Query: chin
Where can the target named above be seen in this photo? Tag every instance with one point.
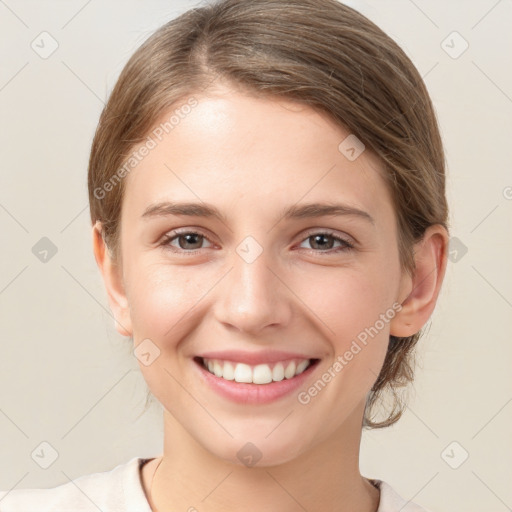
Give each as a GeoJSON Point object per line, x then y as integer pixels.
{"type": "Point", "coordinates": [256, 451]}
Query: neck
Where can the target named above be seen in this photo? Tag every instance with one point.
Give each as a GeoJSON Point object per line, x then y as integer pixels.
{"type": "Point", "coordinates": [325, 477]}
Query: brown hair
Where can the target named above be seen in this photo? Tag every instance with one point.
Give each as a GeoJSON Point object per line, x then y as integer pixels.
{"type": "Point", "coordinates": [317, 52]}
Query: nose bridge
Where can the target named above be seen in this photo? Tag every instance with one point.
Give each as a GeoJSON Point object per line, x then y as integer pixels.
{"type": "Point", "coordinates": [252, 295]}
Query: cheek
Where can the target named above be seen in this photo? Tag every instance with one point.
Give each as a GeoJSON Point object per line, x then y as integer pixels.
{"type": "Point", "coordinates": [354, 308]}
{"type": "Point", "coordinates": [346, 300]}
{"type": "Point", "coordinates": [160, 297]}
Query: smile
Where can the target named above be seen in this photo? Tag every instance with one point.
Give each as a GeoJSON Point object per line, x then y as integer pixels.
{"type": "Point", "coordinates": [254, 378]}
{"type": "Point", "coordinates": [256, 374]}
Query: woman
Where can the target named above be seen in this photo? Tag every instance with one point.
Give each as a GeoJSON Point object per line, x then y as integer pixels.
{"type": "Point", "coordinates": [267, 197]}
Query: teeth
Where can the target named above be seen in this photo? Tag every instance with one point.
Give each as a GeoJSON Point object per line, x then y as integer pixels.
{"type": "Point", "coordinates": [259, 374]}
{"type": "Point", "coordinates": [217, 369]}
{"type": "Point", "coordinates": [278, 372]}
{"type": "Point", "coordinates": [243, 373]}
{"type": "Point", "coordinates": [290, 370]}
{"type": "Point", "coordinates": [301, 367]}
{"type": "Point", "coordinates": [228, 372]}
{"type": "Point", "coordinates": [262, 374]}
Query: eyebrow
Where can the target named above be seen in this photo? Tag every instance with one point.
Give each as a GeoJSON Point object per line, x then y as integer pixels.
{"type": "Point", "coordinates": [304, 211]}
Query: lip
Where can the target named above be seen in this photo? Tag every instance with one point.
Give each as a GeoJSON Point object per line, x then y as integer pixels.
{"type": "Point", "coordinates": [254, 358]}
{"type": "Point", "coordinates": [245, 393]}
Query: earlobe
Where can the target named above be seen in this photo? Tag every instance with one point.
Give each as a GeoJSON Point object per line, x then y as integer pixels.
{"type": "Point", "coordinates": [113, 281]}
{"type": "Point", "coordinates": [430, 256]}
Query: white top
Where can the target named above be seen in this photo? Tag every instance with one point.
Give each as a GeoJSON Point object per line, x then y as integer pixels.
{"type": "Point", "coordinates": [120, 490]}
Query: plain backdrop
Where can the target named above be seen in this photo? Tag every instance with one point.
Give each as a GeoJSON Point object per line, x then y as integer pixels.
{"type": "Point", "coordinates": [69, 384]}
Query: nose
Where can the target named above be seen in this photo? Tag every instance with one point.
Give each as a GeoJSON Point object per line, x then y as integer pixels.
{"type": "Point", "coordinates": [253, 297]}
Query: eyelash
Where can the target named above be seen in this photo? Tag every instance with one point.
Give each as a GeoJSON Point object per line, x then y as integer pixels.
{"type": "Point", "coordinates": [168, 238]}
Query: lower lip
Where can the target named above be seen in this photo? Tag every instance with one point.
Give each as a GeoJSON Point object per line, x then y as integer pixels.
{"type": "Point", "coordinates": [246, 393]}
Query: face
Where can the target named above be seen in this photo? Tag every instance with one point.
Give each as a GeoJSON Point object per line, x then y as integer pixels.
{"type": "Point", "coordinates": [266, 285]}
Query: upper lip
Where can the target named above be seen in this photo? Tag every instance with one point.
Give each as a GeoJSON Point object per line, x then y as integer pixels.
{"type": "Point", "coordinates": [253, 358]}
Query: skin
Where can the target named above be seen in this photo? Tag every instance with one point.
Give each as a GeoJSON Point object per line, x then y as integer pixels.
{"type": "Point", "coordinates": [251, 157]}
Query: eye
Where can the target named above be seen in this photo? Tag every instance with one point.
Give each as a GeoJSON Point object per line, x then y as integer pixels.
{"type": "Point", "coordinates": [188, 241]}
{"type": "Point", "coordinates": [324, 241]}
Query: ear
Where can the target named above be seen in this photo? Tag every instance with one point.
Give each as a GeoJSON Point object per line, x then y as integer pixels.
{"type": "Point", "coordinates": [421, 290]}
{"type": "Point", "coordinates": [113, 280]}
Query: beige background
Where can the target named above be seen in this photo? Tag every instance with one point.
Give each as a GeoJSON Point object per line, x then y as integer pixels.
{"type": "Point", "coordinates": [68, 379]}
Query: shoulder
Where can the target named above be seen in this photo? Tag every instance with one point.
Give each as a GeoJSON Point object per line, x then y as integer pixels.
{"type": "Point", "coordinates": [391, 501]}
{"type": "Point", "coordinates": [117, 489]}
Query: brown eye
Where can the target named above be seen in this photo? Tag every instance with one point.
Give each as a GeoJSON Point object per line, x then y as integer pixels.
{"type": "Point", "coordinates": [188, 241]}
{"type": "Point", "coordinates": [321, 241]}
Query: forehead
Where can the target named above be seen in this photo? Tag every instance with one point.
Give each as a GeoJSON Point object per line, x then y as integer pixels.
{"type": "Point", "coordinates": [232, 148]}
